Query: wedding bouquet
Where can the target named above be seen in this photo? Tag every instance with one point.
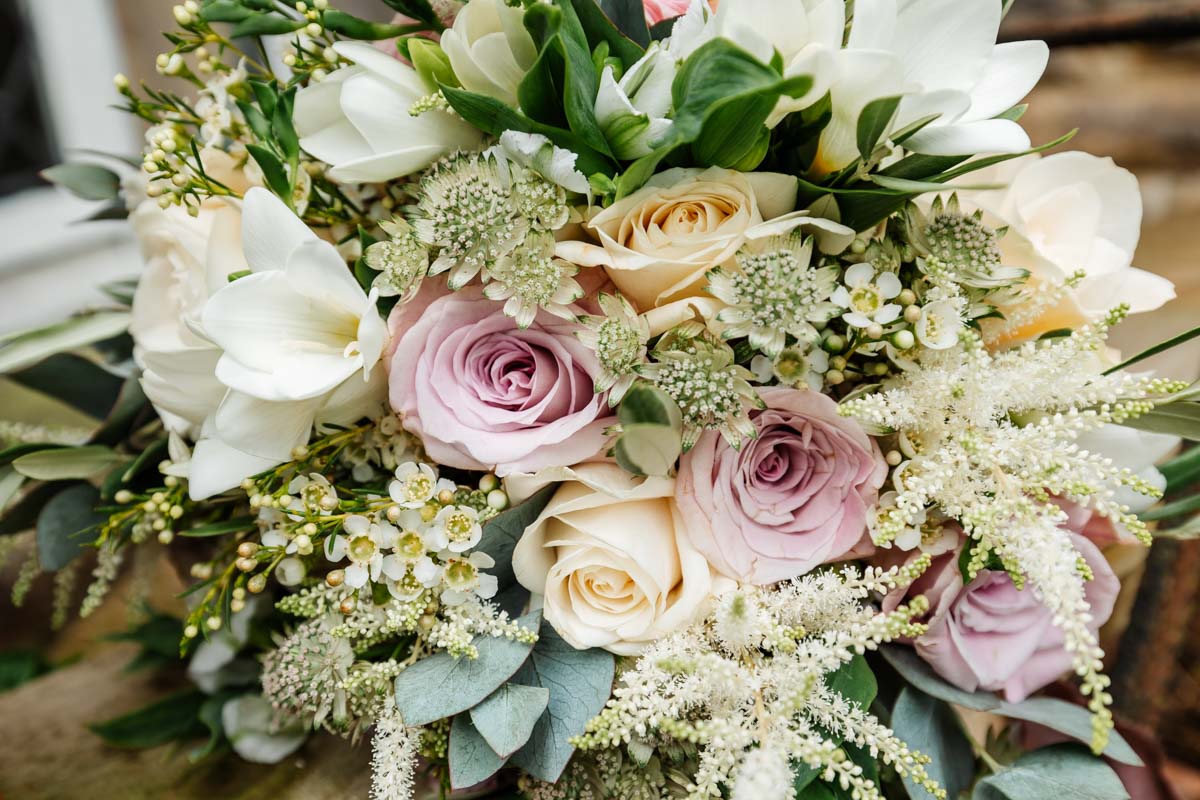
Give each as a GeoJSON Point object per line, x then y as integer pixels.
{"type": "Point", "coordinates": [603, 400]}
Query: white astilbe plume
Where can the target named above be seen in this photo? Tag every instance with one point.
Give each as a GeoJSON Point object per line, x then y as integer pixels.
{"type": "Point", "coordinates": [393, 757]}
{"type": "Point", "coordinates": [746, 687]}
{"type": "Point", "coordinates": [994, 441]}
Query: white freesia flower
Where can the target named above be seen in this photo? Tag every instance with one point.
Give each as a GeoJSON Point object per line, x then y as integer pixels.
{"type": "Point", "coordinates": [942, 56]}
{"type": "Point", "coordinates": [1065, 213]}
{"type": "Point", "coordinates": [489, 48]}
{"type": "Point", "coordinates": [358, 120]}
{"type": "Point", "coordinates": [187, 259]}
{"type": "Point", "coordinates": [299, 339]}
{"type": "Point", "coordinates": [633, 112]}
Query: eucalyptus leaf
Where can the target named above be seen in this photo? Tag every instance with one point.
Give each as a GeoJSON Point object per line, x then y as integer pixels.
{"type": "Point", "coordinates": [87, 181]}
{"type": "Point", "coordinates": [580, 682]}
{"type": "Point", "coordinates": [441, 686]}
{"type": "Point", "coordinates": [1059, 715]}
{"type": "Point", "coordinates": [472, 761]}
{"type": "Point", "coordinates": [648, 449]}
{"type": "Point", "coordinates": [1061, 772]}
{"type": "Point", "coordinates": [931, 727]}
{"type": "Point", "coordinates": [66, 463]}
{"type": "Point", "coordinates": [20, 350]}
{"type": "Point", "coordinates": [506, 718]}
{"type": "Point", "coordinates": [68, 514]}
{"type": "Point", "coordinates": [501, 534]}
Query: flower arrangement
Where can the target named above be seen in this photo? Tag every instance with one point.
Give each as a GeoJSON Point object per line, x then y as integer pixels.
{"type": "Point", "coordinates": [590, 400]}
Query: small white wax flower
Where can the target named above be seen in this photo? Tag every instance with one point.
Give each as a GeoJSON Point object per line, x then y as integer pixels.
{"type": "Point", "coordinates": [865, 295]}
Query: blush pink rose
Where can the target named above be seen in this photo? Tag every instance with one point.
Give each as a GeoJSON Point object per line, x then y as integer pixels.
{"type": "Point", "coordinates": [792, 498]}
{"type": "Point", "coordinates": [990, 635]}
{"type": "Point", "coordinates": [658, 10]}
{"type": "Point", "coordinates": [482, 394]}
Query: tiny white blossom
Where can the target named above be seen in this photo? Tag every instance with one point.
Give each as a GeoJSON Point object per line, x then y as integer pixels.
{"type": "Point", "coordinates": [865, 295]}
{"type": "Point", "coordinates": [417, 484]}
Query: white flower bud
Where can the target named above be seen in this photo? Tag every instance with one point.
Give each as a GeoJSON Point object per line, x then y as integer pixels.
{"type": "Point", "coordinates": [182, 15]}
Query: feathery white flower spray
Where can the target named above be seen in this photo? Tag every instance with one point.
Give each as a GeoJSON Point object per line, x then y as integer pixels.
{"type": "Point", "coordinates": [748, 683]}
{"type": "Point", "coordinates": [393, 757]}
{"type": "Point", "coordinates": [993, 437]}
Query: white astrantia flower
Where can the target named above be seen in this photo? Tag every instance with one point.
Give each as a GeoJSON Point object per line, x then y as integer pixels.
{"type": "Point", "coordinates": [942, 57]}
{"type": "Point", "coordinates": [940, 323]}
{"type": "Point", "coordinates": [633, 112]}
{"type": "Point", "coordinates": [300, 340]}
{"type": "Point", "coordinates": [358, 120]}
{"type": "Point", "coordinates": [489, 48]}
{"type": "Point", "coordinates": [529, 277]}
{"type": "Point", "coordinates": [619, 340]}
{"type": "Point", "coordinates": [865, 296]}
{"type": "Point", "coordinates": [401, 260]}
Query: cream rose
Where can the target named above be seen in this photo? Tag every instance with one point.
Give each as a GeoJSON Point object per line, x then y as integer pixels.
{"type": "Point", "coordinates": [611, 559]}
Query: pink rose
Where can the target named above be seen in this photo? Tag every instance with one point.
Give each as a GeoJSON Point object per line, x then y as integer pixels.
{"type": "Point", "coordinates": [794, 497]}
{"type": "Point", "coordinates": [990, 635]}
{"type": "Point", "coordinates": [482, 394]}
{"type": "Point", "coordinates": [658, 10]}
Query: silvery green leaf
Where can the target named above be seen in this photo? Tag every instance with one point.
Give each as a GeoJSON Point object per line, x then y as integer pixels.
{"type": "Point", "coordinates": [500, 536]}
{"type": "Point", "coordinates": [1068, 718]}
{"type": "Point", "coordinates": [22, 349]}
{"type": "Point", "coordinates": [86, 181]}
{"type": "Point", "coordinates": [580, 682]}
{"type": "Point", "coordinates": [932, 727]}
{"type": "Point", "coordinates": [506, 718]}
{"type": "Point", "coordinates": [67, 462]}
{"type": "Point", "coordinates": [441, 686]}
{"type": "Point", "coordinates": [1062, 772]}
{"type": "Point", "coordinates": [67, 514]}
{"type": "Point", "coordinates": [472, 761]}
{"type": "Point", "coordinates": [648, 449]}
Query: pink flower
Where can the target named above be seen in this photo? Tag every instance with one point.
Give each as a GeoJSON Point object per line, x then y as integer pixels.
{"type": "Point", "coordinates": [794, 497]}
{"type": "Point", "coordinates": [658, 10]}
{"type": "Point", "coordinates": [990, 635]}
{"type": "Point", "coordinates": [482, 394]}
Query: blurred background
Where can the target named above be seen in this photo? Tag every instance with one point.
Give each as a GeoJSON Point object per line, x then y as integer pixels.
{"type": "Point", "coordinates": [1125, 72]}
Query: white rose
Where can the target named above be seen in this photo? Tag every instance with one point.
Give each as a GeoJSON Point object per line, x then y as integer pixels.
{"type": "Point", "coordinates": [187, 259]}
{"type": "Point", "coordinates": [658, 243]}
{"type": "Point", "coordinates": [358, 120]}
{"type": "Point", "coordinates": [489, 48]}
{"type": "Point", "coordinates": [611, 559]}
{"type": "Point", "coordinates": [1068, 212]}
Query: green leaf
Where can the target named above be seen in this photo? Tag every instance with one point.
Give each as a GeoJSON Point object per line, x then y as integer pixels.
{"type": "Point", "coordinates": [65, 463]}
{"type": "Point", "coordinates": [224, 11]}
{"type": "Point", "coordinates": [1062, 772]}
{"type": "Point", "coordinates": [1161, 347]}
{"type": "Point", "coordinates": [647, 449]}
{"type": "Point", "coordinates": [933, 728]}
{"type": "Point", "coordinates": [1178, 419]}
{"type": "Point", "coordinates": [167, 720]}
{"type": "Point", "coordinates": [20, 350]}
{"type": "Point", "coordinates": [87, 181]}
{"type": "Point", "coordinates": [1185, 532]}
{"type": "Point", "coordinates": [1178, 508]}
{"type": "Point", "coordinates": [10, 483]}
{"type": "Point", "coordinates": [722, 97]}
{"type": "Point", "coordinates": [22, 515]}
{"type": "Point", "coordinates": [495, 117]}
{"type": "Point", "coordinates": [1059, 715]}
{"type": "Point", "coordinates": [220, 528]}
{"type": "Point", "coordinates": [20, 666]}
{"type": "Point", "coordinates": [629, 17]}
{"type": "Point", "coordinates": [361, 29]}
{"type": "Point", "coordinates": [79, 382]}
{"type": "Point", "coordinates": [854, 681]}
{"type": "Point", "coordinates": [209, 716]}
{"type": "Point", "coordinates": [873, 122]}
{"type": "Point", "coordinates": [11, 454]}
{"type": "Point", "coordinates": [506, 718]}
{"type": "Point", "coordinates": [1181, 472]}
{"type": "Point", "coordinates": [640, 171]}
{"type": "Point", "coordinates": [285, 133]}
{"type": "Point", "coordinates": [417, 9]}
{"type": "Point", "coordinates": [273, 171]}
{"type": "Point", "coordinates": [472, 761]}
{"type": "Point", "coordinates": [125, 413]}
{"type": "Point", "coordinates": [265, 25]}
{"type": "Point", "coordinates": [431, 63]}
{"type": "Point", "coordinates": [580, 682]}
{"type": "Point", "coordinates": [502, 532]}
{"type": "Point", "coordinates": [599, 27]}
{"type": "Point", "coordinates": [160, 634]}
{"type": "Point", "coordinates": [441, 686]}
{"type": "Point", "coordinates": [68, 513]}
